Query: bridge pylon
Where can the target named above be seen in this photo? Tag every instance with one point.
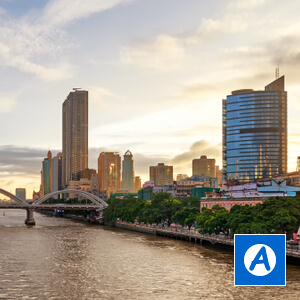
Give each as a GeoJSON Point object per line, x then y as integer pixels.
{"type": "Point", "coordinates": [29, 219]}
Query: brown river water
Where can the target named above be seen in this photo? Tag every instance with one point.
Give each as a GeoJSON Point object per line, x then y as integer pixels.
{"type": "Point", "coordinates": [66, 259]}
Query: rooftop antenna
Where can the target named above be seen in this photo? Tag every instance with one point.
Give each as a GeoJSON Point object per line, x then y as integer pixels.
{"type": "Point", "coordinates": [277, 72]}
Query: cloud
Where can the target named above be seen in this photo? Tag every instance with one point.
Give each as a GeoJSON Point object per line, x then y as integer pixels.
{"type": "Point", "coordinates": [7, 103]}
{"type": "Point", "coordinates": [62, 12]}
{"type": "Point", "coordinates": [25, 41]}
{"type": "Point", "coordinates": [163, 54]}
{"type": "Point", "coordinates": [246, 5]}
{"type": "Point", "coordinates": [171, 52]}
{"type": "Point", "coordinates": [184, 160]}
{"type": "Point", "coordinates": [100, 97]}
{"type": "Point", "coordinates": [15, 160]}
{"type": "Point", "coordinates": [194, 90]}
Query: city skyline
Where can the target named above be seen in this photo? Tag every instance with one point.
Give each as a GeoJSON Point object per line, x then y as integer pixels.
{"type": "Point", "coordinates": [155, 83]}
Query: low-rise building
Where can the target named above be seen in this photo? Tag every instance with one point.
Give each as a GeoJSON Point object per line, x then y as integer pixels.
{"type": "Point", "coordinates": [228, 203]}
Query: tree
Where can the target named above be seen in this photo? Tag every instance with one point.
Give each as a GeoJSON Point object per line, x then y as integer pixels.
{"type": "Point", "coordinates": [219, 221]}
{"type": "Point", "coordinates": [279, 214]}
{"type": "Point", "coordinates": [127, 209]}
{"type": "Point", "coordinates": [191, 202]}
{"type": "Point", "coordinates": [240, 219]}
{"type": "Point", "coordinates": [203, 220]}
{"type": "Point", "coordinates": [186, 216]}
{"type": "Point", "coordinates": [190, 220]}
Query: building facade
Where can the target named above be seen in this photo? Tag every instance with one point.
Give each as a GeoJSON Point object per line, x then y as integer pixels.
{"type": "Point", "coordinates": [128, 172]}
{"type": "Point", "coordinates": [21, 193]}
{"type": "Point", "coordinates": [161, 174]}
{"type": "Point", "coordinates": [109, 172]}
{"type": "Point", "coordinates": [180, 177]}
{"type": "Point", "coordinates": [75, 135]}
{"type": "Point", "coordinates": [204, 166]}
{"type": "Point", "coordinates": [46, 175]}
{"type": "Point", "coordinates": [298, 164]}
{"type": "Point", "coordinates": [255, 133]}
{"type": "Point", "coordinates": [137, 183]}
{"type": "Point", "coordinates": [57, 173]}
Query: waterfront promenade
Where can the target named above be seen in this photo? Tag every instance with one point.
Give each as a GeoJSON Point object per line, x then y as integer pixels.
{"type": "Point", "coordinates": [193, 236]}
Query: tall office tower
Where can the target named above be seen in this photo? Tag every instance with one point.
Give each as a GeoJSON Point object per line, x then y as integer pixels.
{"type": "Point", "coordinates": [57, 173]}
{"type": "Point", "coordinates": [75, 135]}
{"type": "Point", "coordinates": [204, 166]}
{"type": "Point", "coordinates": [255, 133]}
{"type": "Point", "coordinates": [46, 184]}
{"type": "Point", "coordinates": [21, 193]}
{"type": "Point", "coordinates": [128, 172]}
{"type": "Point", "coordinates": [109, 172]}
{"type": "Point", "coordinates": [137, 184]}
{"type": "Point", "coordinates": [161, 174]}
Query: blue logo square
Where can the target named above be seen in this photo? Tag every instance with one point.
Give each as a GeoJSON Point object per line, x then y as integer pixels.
{"type": "Point", "coordinates": [260, 259]}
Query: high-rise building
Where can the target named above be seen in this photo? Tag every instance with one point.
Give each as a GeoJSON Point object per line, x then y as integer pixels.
{"type": "Point", "coordinates": [75, 135]}
{"type": "Point", "coordinates": [255, 133]}
{"type": "Point", "coordinates": [57, 173]}
{"type": "Point", "coordinates": [161, 174]}
{"type": "Point", "coordinates": [46, 184]}
{"type": "Point", "coordinates": [128, 172]}
{"type": "Point", "coordinates": [137, 184]}
{"type": "Point", "coordinates": [21, 193]}
{"type": "Point", "coordinates": [109, 172]}
{"type": "Point", "coordinates": [204, 166]}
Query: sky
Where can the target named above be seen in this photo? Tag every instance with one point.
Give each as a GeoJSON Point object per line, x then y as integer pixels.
{"type": "Point", "coordinates": [156, 72]}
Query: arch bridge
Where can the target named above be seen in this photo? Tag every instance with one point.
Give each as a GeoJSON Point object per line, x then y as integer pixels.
{"type": "Point", "coordinates": [95, 206]}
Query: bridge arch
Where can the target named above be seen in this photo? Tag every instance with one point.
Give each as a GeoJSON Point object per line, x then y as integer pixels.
{"type": "Point", "coordinates": [96, 200]}
{"type": "Point", "coordinates": [15, 198]}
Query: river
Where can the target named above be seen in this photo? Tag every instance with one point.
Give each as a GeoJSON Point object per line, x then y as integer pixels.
{"type": "Point", "coordinates": [66, 259]}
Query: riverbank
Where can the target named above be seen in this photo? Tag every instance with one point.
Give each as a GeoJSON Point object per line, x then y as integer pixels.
{"type": "Point", "coordinates": [193, 236]}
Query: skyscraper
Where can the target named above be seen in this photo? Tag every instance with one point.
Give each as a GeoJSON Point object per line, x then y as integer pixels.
{"type": "Point", "coordinates": [75, 135]}
{"type": "Point", "coordinates": [128, 172]}
{"type": "Point", "coordinates": [137, 184]}
{"type": "Point", "coordinates": [46, 184]}
{"type": "Point", "coordinates": [161, 174]}
{"type": "Point", "coordinates": [255, 133]}
{"type": "Point", "coordinates": [21, 193]}
{"type": "Point", "coordinates": [204, 166]}
{"type": "Point", "coordinates": [57, 173]}
{"type": "Point", "coordinates": [109, 172]}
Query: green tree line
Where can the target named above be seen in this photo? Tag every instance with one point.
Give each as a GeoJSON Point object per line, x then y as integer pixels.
{"type": "Point", "coordinates": [276, 215]}
{"type": "Point", "coordinates": [163, 208]}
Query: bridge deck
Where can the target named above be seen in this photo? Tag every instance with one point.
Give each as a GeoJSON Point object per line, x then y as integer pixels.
{"type": "Point", "coordinates": [52, 206]}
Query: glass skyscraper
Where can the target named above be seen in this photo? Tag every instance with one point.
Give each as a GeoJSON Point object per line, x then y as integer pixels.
{"type": "Point", "coordinates": [46, 184]}
{"type": "Point", "coordinates": [128, 172]}
{"type": "Point", "coordinates": [255, 133]}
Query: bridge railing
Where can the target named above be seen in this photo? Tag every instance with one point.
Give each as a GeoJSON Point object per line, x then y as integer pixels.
{"type": "Point", "coordinates": [223, 239]}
